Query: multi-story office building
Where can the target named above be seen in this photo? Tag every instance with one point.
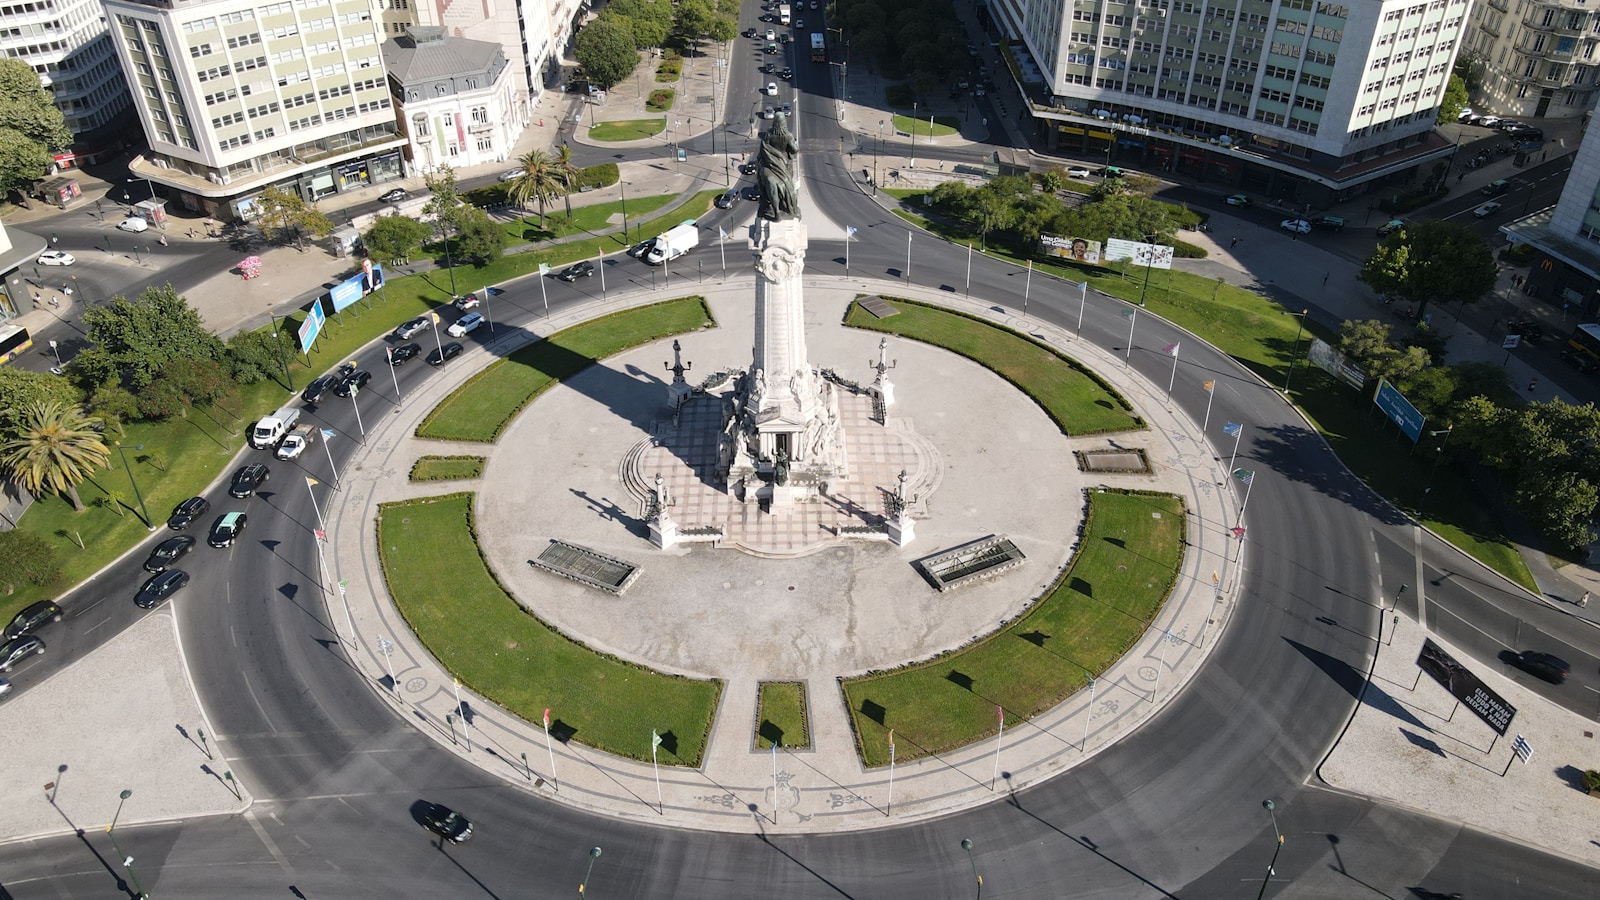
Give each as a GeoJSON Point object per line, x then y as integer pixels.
{"type": "Point", "coordinates": [65, 41]}
{"type": "Point", "coordinates": [458, 102]}
{"type": "Point", "coordinates": [1534, 58]}
{"type": "Point", "coordinates": [239, 95]}
{"type": "Point", "coordinates": [1565, 238]}
{"type": "Point", "coordinates": [1306, 101]}
{"type": "Point", "coordinates": [529, 30]}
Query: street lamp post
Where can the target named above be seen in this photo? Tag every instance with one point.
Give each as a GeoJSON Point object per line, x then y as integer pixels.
{"type": "Point", "coordinates": [594, 854]}
{"type": "Point", "coordinates": [966, 844]}
{"type": "Point", "coordinates": [138, 891]}
{"type": "Point", "coordinates": [282, 357]}
{"type": "Point", "coordinates": [144, 513]}
{"type": "Point", "coordinates": [913, 163]}
{"type": "Point", "coordinates": [122, 798]}
{"type": "Point", "coordinates": [1268, 806]}
{"type": "Point", "coordinates": [1294, 352]}
{"type": "Point", "coordinates": [876, 151]}
{"type": "Point", "coordinates": [623, 186]}
{"type": "Point", "coordinates": [1149, 263]}
{"type": "Point", "coordinates": [148, 183]}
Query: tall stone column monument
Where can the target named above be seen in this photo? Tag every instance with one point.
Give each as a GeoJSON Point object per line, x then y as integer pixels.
{"type": "Point", "coordinates": [785, 440]}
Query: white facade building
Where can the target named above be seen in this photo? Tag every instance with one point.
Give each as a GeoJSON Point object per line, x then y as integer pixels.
{"type": "Point", "coordinates": [239, 95]}
{"type": "Point", "coordinates": [67, 44]}
{"type": "Point", "coordinates": [1535, 58]}
{"type": "Point", "coordinates": [459, 102]}
{"type": "Point", "coordinates": [1565, 269]}
{"type": "Point", "coordinates": [524, 28]}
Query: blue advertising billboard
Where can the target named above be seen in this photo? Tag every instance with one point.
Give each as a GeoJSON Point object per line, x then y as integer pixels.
{"type": "Point", "coordinates": [347, 292]}
{"type": "Point", "coordinates": [1399, 410]}
{"type": "Point", "coordinates": [312, 326]}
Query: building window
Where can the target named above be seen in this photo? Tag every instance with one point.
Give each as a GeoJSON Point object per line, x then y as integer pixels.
{"type": "Point", "coordinates": [485, 144]}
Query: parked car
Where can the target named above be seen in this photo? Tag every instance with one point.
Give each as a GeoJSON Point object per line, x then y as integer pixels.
{"type": "Point", "coordinates": [446, 822]}
{"type": "Point", "coordinates": [134, 224]}
{"type": "Point", "coordinates": [1486, 210]}
{"type": "Point", "coordinates": [580, 269]}
{"type": "Point", "coordinates": [400, 354]}
{"type": "Point", "coordinates": [17, 649]}
{"type": "Point", "coordinates": [465, 325]}
{"type": "Point", "coordinates": [1486, 121]}
{"type": "Point", "coordinates": [466, 302]}
{"type": "Point", "coordinates": [1390, 227]}
{"type": "Point", "coordinates": [394, 196]}
{"type": "Point", "coordinates": [184, 514]}
{"type": "Point", "coordinates": [56, 258]}
{"type": "Point", "coordinates": [227, 528]}
{"type": "Point", "coordinates": [353, 383]}
{"type": "Point", "coordinates": [1331, 223]}
{"type": "Point", "coordinates": [32, 618]}
{"type": "Point", "coordinates": [1496, 188]}
{"type": "Point", "coordinates": [1078, 172]}
{"type": "Point", "coordinates": [410, 328]}
{"type": "Point", "coordinates": [319, 387]}
{"type": "Point", "coordinates": [438, 356]}
{"type": "Point", "coordinates": [1542, 665]}
{"type": "Point", "coordinates": [1466, 114]}
{"type": "Point", "coordinates": [169, 552]}
{"type": "Point", "coordinates": [1238, 200]}
{"type": "Point", "coordinates": [512, 174]}
{"type": "Point", "coordinates": [1510, 125]}
{"type": "Point", "coordinates": [248, 479]}
{"type": "Point", "coordinates": [1295, 226]}
{"type": "Point", "coordinates": [160, 587]}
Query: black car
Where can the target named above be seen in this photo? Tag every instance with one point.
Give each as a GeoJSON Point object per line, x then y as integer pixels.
{"type": "Point", "coordinates": [748, 168]}
{"type": "Point", "coordinates": [404, 352]}
{"type": "Point", "coordinates": [168, 552]}
{"type": "Point", "coordinates": [767, 68]}
{"type": "Point", "coordinates": [33, 618]}
{"type": "Point", "coordinates": [394, 196]}
{"type": "Point", "coordinates": [581, 269]}
{"type": "Point", "coordinates": [752, 193]}
{"type": "Point", "coordinates": [160, 587]}
{"type": "Point", "coordinates": [1542, 665]}
{"type": "Point", "coordinates": [187, 511]}
{"type": "Point", "coordinates": [786, 73]}
{"type": "Point", "coordinates": [227, 529]}
{"type": "Point", "coordinates": [1529, 329]}
{"type": "Point", "coordinates": [248, 479]}
{"type": "Point", "coordinates": [319, 387]}
{"type": "Point", "coordinates": [1581, 361]}
{"type": "Point", "coordinates": [637, 251]}
{"type": "Point", "coordinates": [438, 356]}
{"type": "Point", "coordinates": [353, 382]}
{"type": "Point", "coordinates": [446, 822]}
{"type": "Point", "coordinates": [18, 649]}
{"type": "Point", "coordinates": [725, 201]}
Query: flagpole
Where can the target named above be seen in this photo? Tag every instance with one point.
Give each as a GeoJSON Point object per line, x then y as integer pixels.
{"type": "Point", "coordinates": [1088, 713]}
{"type": "Point", "coordinates": [544, 270]}
{"type": "Point", "coordinates": [328, 433]}
{"type": "Point", "coordinates": [388, 353]}
{"type": "Point", "coordinates": [1133, 319]}
{"type": "Point", "coordinates": [437, 339]}
{"type": "Point", "coordinates": [1236, 436]}
{"type": "Point", "coordinates": [466, 727]}
{"type": "Point", "coordinates": [655, 744]}
{"type": "Point", "coordinates": [550, 750]}
{"type": "Point", "coordinates": [357, 407]}
{"type": "Point", "coordinates": [908, 257]}
{"type": "Point", "coordinates": [968, 288]}
{"type": "Point", "coordinates": [1000, 711]}
{"type": "Point", "coordinates": [349, 620]}
{"type": "Point", "coordinates": [722, 247]}
{"type": "Point", "coordinates": [603, 276]}
{"type": "Point", "coordinates": [1166, 639]}
{"type": "Point", "coordinates": [1247, 486]}
{"type": "Point", "coordinates": [1211, 394]}
{"type": "Point", "coordinates": [889, 807]}
{"type": "Point", "coordinates": [1027, 287]}
{"type": "Point", "coordinates": [1174, 379]}
{"type": "Point", "coordinates": [309, 482]}
{"type": "Point", "coordinates": [1083, 300]}
{"type": "Point", "coordinates": [774, 782]}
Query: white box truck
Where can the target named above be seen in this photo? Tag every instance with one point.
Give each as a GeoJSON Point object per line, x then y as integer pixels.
{"type": "Point", "coordinates": [673, 243]}
{"type": "Point", "coordinates": [272, 428]}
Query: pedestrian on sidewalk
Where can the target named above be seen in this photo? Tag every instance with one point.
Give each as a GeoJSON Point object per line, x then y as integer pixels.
{"type": "Point", "coordinates": [1584, 600]}
{"type": "Point", "coordinates": [1233, 243]}
{"type": "Point", "coordinates": [1533, 383]}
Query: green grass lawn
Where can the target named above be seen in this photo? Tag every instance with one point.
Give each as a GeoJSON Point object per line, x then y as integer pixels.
{"type": "Point", "coordinates": [480, 409]}
{"type": "Point", "coordinates": [942, 125]}
{"type": "Point", "coordinates": [446, 468]}
{"type": "Point", "coordinates": [627, 129]}
{"type": "Point", "coordinates": [1118, 579]}
{"type": "Point", "coordinates": [1077, 400]}
{"type": "Point", "coordinates": [584, 220]}
{"type": "Point", "coordinates": [781, 715]}
{"type": "Point", "coordinates": [462, 614]}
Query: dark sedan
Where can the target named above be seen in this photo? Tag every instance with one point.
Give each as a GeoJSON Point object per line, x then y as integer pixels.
{"type": "Point", "coordinates": [169, 552]}
{"type": "Point", "coordinates": [446, 822]}
{"type": "Point", "coordinates": [187, 511]}
{"type": "Point", "coordinates": [353, 383]}
{"type": "Point", "coordinates": [227, 529]}
{"type": "Point", "coordinates": [394, 196]}
{"type": "Point", "coordinates": [438, 356]}
{"type": "Point", "coordinates": [18, 649]}
{"type": "Point", "coordinates": [33, 618]}
{"type": "Point", "coordinates": [160, 587]}
{"type": "Point", "coordinates": [404, 352]}
{"type": "Point", "coordinates": [248, 479]}
{"type": "Point", "coordinates": [580, 269]}
{"type": "Point", "coordinates": [319, 387]}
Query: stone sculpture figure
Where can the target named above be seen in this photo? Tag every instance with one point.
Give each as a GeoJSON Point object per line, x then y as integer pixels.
{"type": "Point", "coordinates": [775, 173]}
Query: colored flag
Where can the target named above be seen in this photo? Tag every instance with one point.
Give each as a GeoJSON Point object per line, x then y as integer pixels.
{"type": "Point", "coordinates": [321, 535]}
{"type": "Point", "coordinates": [1000, 713]}
{"type": "Point", "coordinates": [891, 739]}
{"type": "Point", "coordinates": [544, 268]}
{"type": "Point", "coordinates": [310, 481]}
{"type": "Point", "coordinates": [1232, 429]}
{"type": "Point", "coordinates": [1244, 475]}
{"type": "Point", "coordinates": [1209, 386]}
{"type": "Point", "coordinates": [849, 231]}
{"type": "Point", "coordinates": [435, 317]}
{"type": "Point", "coordinates": [1170, 349]}
{"type": "Point", "coordinates": [1129, 313]}
{"type": "Point", "coordinates": [655, 740]}
{"type": "Point", "coordinates": [1237, 532]}
{"type": "Point", "coordinates": [1083, 285]}
{"type": "Point", "coordinates": [328, 434]}
{"type": "Point", "coordinates": [547, 718]}
{"type": "Point", "coordinates": [722, 232]}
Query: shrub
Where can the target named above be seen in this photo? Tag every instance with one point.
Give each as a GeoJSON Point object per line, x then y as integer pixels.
{"type": "Point", "coordinates": [488, 195]}
{"type": "Point", "coordinates": [1404, 203]}
{"type": "Point", "coordinates": [1591, 780]}
{"type": "Point", "coordinates": [660, 101]}
{"type": "Point", "coordinates": [26, 557]}
{"type": "Point", "coordinates": [900, 96]}
{"type": "Point", "coordinates": [602, 175]}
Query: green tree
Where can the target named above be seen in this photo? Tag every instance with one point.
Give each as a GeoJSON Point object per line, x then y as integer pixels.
{"type": "Point", "coordinates": [542, 179]}
{"type": "Point", "coordinates": [606, 50]}
{"type": "Point", "coordinates": [1431, 261]}
{"type": "Point", "coordinates": [1455, 100]}
{"type": "Point", "coordinates": [692, 21]}
{"type": "Point", "coordinates": [31, 127]}
{"type": "Point", "coordinates": [723, 28]}
{"type": "Point", "coordinates": [255, 356]}
{"type": "Point", "coordinates": [18, 388]}
{"type": "Point", "coordinates": [392, 239]}
{"type": "Point", "coordinates": [285, 216]}
{"type": "Point", "coordinates": [481, 239]}
{"type": "Point", "coordinates": [56, 450]}
{"type": "Point", "coordinates": [26, 558]}
{"type": "Point", "coordinates": [571, 175]}
{"type": "Point", "coordinates": [201, 382]}
{"type": "Point", "coordinates": [1367, 343]}
{"type": "Point", "coordinates": [143, 335]}
{"type": "Point", "coordinates": [649, 21]}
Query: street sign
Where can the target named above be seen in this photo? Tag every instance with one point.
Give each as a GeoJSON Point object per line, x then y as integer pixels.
{"type": "Point", "coordinates": [1512, 342]}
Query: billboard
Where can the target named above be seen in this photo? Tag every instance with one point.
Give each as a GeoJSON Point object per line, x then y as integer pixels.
{"type": "Point", "coordinates": [1155, 256]}
{"type": "Point", "coordinates": [1465, 687]}
{"type": "Point", "coordinates": [1329, 360]}
{"type": "Point", "coordinates": [1078, 249]}
{"type": "Point", "coordinates": [312, 326]}
{"type": "Point", "coordinates": [1399, 410]}
{"type": "Point", "coordinates": [348, 291]}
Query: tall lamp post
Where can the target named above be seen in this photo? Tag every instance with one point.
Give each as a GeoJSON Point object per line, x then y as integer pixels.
{"type": "Point", "coordinates": [1149, 263]}
{"type": "Point", "coordinates": [623, 186]}
{"type": "Point", "coordinates": [875, 153]}
{"type": "Point", "coordinates": [1294, 353]}
{"type": "Point", "coordinates": [1267, 805]}
{"type": "Point", "coordinates": [282, 357]}
{"type": "Point", "coordinates": [144, 513]}
{"type": "Point", "coordinates": [148, 183]}
{"type": "Point", "coordinates": [913, 164]}
{"type": "Point", "coordinates": [966, 844]}
{"type": "Point", "coordinates": [594, 854]}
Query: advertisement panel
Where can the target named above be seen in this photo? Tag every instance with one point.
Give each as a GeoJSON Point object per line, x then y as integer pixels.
{"type": "Point", "coordinates": [347, 292]}
{"type": "Point", "coordinates": [1156, 256]}
{"type": "Point", "coordinates": [1465, 686]}
{"type": "Point", "coordinates": [1078, 249]}
{"type": "Point", "coordinates": [1399, 410]}
{"type": "Point", "coordinates": [311, 327]}
{"type": "Point", "coordinates": [1329, 360]}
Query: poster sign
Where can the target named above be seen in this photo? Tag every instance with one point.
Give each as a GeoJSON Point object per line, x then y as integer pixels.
{"type": "Point", "coordinates": [311, 327]}
{"type": "Point", "coordinates": [1078, 249]}
{"type": "Point", "coordinates": [1399, 410]}
{"type": "Point", "coordinates": [1155, 256]}
{"type": "Point", "coordinates": [347, 292]}
{"type": "Point", "coordinates": [1465, 686]}
{"type": "Point", "coordinates": [1329, 360]}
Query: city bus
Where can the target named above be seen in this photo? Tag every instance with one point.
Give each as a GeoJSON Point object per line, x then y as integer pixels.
{"type": "Point", "coordinates": [819, 49]}
{"type": "Point", "coordinates": [1586, 339]}
{"type": "Point", "coordinates": [14, 341]}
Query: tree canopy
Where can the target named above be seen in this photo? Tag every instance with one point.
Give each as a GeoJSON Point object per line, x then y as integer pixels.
{"type": "Point", "coordinates": [31, 127]}
{"type": "Point", "coordinates": [144, 335]}
{"type": "Point", "coordinates": [607, 50]}
{"type": "Point", "coordinates": [1455, 100]}
{"type": "Point", "coordinates": [1431, 261]}
{"type": "Point", "coordinates": [286, 216]}
{"type": "Point", "coordinates": [19, 388]}
{"type": "Point", "coordinates": [392, 239]}
{"type": "Point", "coordinates": [56, 449]}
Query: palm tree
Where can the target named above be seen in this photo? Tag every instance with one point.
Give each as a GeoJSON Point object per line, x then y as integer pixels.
{"type": "Point", "coordinates": [541, 180]}
{"type": "Point", "coordinates": [56, 449]}
{"type": "Point", "coordinates": [569, 175]}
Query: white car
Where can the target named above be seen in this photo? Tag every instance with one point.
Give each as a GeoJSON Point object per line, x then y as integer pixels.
{"type": "Point", "coordinates": [771, 35]}
{"type": "Point", "coordinates": [56, 258]}
{"type": "Point", "coordinates": [1078, 172]}
{"type": "Point", "coordinates": [134, 224]}
{"type": "Point", "coordinates": [772, 89]}
{"type": "Point", "coordinates": [1488, 209]}
{"type": "Point", "coordinates": [466, 324]}
{"type": "Point", "coordinates": [292, 447]}
{"type": "Point", "coordinates": [1295, 226]}
{"type": "Point", "coordinates": [512, 175]}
